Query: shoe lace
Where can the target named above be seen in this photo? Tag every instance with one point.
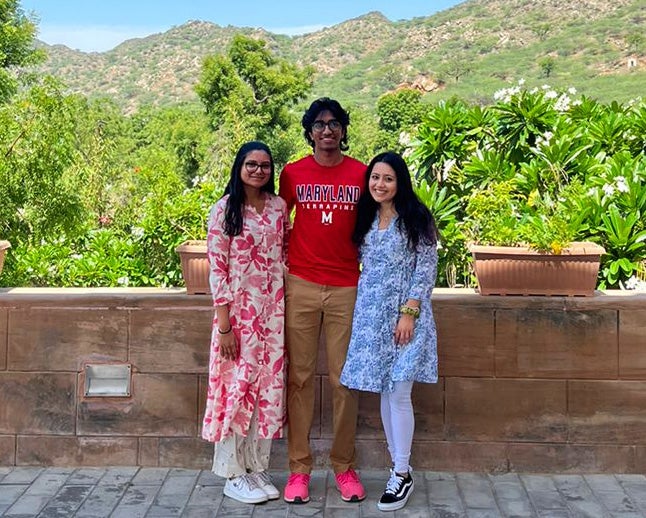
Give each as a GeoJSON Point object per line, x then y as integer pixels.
{"type": "Point", "coordinates": [261, 478]}
{"type": "Point", "coordinates": [348, 476]}
{"type": "Point", "coordinates": [394, 482]}
{"type": "Point", "coordinates": [250, 480]}
{"type": "Point", "coordinates": [298, 478]}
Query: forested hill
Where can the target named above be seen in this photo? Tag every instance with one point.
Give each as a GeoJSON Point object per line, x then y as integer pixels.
{"type": "Point", "coordinates": [470, 50]}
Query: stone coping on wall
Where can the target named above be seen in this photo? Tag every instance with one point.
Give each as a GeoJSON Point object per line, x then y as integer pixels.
{"type": "Point", "coordinates": [460, 295]}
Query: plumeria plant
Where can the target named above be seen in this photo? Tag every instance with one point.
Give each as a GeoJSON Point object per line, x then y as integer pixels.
{"type": "Point", "coordinates": [542, 167]}
{"type": "Point", "coordinates": [617, 199]}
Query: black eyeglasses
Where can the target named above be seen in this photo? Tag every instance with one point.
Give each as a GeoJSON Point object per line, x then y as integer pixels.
{"type": "Point", "coordinates": [252, 167]}
{"type": "Point", "coordinates": [333, 124]}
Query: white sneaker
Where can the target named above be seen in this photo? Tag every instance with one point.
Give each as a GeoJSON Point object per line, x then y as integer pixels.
{"type": "Point", "coordinates": [263, 481]}
{"type": "Point", "coordinates": [244, 489]}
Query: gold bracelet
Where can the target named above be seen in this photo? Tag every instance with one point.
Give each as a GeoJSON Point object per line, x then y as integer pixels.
{"type": "Point", "coordinates": [407, 310]}
{"type": "Point", "coordinates": [225, 332]}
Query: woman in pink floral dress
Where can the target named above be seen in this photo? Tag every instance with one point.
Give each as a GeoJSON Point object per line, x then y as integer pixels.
{"type": "Point", "coordinates": [246, 243]}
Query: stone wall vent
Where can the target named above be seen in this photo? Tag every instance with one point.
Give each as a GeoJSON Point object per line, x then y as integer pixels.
{"type": "Point", "coordinates": [107, 380]}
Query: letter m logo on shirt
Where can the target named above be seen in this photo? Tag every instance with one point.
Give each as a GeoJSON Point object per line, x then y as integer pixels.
{"type": "Point", "coordinates": [326, 217]}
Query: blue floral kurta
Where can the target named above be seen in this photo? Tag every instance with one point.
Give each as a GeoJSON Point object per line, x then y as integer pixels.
{"type": "Point", "coordinates": [391, 275]}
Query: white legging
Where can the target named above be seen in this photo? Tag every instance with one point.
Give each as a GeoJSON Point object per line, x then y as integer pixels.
{"type": "Point", "coordinates": [399, 423]}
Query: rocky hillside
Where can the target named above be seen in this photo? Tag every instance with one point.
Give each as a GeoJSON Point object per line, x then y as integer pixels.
{"type": "Point", "coordinates": [470, 50]}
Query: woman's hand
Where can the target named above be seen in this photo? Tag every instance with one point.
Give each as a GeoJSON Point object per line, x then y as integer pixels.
{"type": "Point", "coordinates": [228, 346]}
{"type": "Point", "coordinates": [404, 330]}
{"type": "Point", "coordinates": [226, 338]}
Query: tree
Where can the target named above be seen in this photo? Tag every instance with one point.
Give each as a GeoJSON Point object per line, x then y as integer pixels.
{"type": "Point", "coordinates": [38, 146]}
{"type": "Point", "coordinates": [182, 130]}
{"type": "Point", "coordinates": [17, 35]}
{"type": "Point", "coordinates": [635, 41]}
{"type": "Point", "coordinates": [457, 67]}
{"type": "Point", "coordinates": [542, 30]}
{"type": "Point", "coordinates": [398, 111]}
{"type": "Point", "coordinates": [547, 65]}
{"type": "Point", "coordinates": [248, 91]}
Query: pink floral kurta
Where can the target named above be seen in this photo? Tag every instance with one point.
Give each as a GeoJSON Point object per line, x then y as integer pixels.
{"type": "Point", "coordinates": [247, 274]}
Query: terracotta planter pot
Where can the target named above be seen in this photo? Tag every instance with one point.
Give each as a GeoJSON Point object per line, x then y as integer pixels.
{"type": "Point", "coordinates": [3, 247]}
{"type": "Point", "coordinates": [195, 267]}
{"type": "Point", "coordinates": [502, 270]}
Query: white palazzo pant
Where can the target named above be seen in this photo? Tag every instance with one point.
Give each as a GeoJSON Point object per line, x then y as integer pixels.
{"type": "Point", "coordinates": [236, 455]}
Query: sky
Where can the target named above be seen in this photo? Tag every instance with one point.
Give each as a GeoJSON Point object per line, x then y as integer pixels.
{"type": "Point", "coordinates": [100, 25]}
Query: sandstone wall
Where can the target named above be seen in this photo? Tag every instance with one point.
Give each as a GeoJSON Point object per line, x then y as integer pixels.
{"type": "Point", "coordinates": [526, 383]}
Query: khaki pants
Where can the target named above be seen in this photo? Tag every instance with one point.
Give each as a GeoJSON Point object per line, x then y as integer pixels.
{"type": "Point", "coordinates": [311, 307]}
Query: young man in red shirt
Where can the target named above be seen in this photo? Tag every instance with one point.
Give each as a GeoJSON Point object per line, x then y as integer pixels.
{"type": "Point", "coordinates": [321, 288]}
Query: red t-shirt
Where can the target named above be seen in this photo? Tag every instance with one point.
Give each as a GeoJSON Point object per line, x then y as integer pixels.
{"type": "Point", "coordinates": [320, 243]}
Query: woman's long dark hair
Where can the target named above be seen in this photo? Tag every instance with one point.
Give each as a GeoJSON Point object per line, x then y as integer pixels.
{"type": "Point", "coordinates": [235, 187]}
{"type": "Point", "coordinates": [414, 218]}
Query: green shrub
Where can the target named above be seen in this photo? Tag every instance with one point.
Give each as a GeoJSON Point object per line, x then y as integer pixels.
{"type": "Point", "coordinates": [542, 168]}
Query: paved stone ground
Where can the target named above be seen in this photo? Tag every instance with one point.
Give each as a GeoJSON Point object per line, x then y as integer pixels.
{"type": "Point", "coordinates": [125, 492]}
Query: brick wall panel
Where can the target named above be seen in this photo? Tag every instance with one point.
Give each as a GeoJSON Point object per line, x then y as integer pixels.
{"type": "Point", "coordinates": [62, 339]}
{"type": "Point", "coordinates": [607, 411]}
{"type": "Point", "coordinates": [148, 452]}
{"type": "Point", "coordinates": [322, 421]}
{"type": "Point", "coordinates": [632, 344]}
{"type": "Point", "coordinates": [512, 410]}
{"type": "Point", "coordinates": [187, 452]}
{"type": "Point", "coordinates": [7, 450]}
{"type": "Point", "coordinates": [372, 453]}
{"type": "Point", "coordinates": [321, 360]}
{"type": "Point", "coordinates": [279, 458]}
{"type": "Point", "coordinates": [171, 340]}
{"type": "Point", "coordinates": [640, 460]}
{"type": "Point", "coordinates": [37, 403]}
{"type": "Point", "coordinates": [47, 450]}
{"type": "Point", "coordinates": [3, 338]}
{"type": "Point", "coordinates": [161, 405]}
{"type": "Point", "coordinates": [428, 405]}
{"type": "Point", "coordinates": [465, 340]}
{"type": "Point", "coordinates": [571, 458]}
{"type": "Point", "coordinates": [459, 456]}
{"type": "Point", "coordinates": [201, 401]}
{"type": "Point", "coordinates": [369, 418]}
{"type": "Point", "coordinates": [556, 343]}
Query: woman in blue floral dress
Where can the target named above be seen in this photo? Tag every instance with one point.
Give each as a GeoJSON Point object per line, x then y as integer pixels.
{"type": "Point", "coordinates": [393, 341]}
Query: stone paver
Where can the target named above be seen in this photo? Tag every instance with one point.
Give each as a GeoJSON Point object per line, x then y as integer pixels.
{"type": "Point", "coordinates": [131, 492]}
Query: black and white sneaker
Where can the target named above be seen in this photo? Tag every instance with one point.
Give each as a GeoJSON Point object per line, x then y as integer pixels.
{"type": "Point", "coordinates": [398, 489]}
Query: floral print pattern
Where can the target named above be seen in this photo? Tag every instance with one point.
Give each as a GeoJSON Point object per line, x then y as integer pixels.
{"type": "Point", "coordinates": [391, 275]}
{"type": "Point", "coordinates": [247, 272]}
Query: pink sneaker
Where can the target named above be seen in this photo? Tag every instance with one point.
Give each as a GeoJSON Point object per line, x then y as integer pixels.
{"type": "Point", "coordinates": [350, 486]}
{"type": "Point", "coordinates": [297, 490]}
